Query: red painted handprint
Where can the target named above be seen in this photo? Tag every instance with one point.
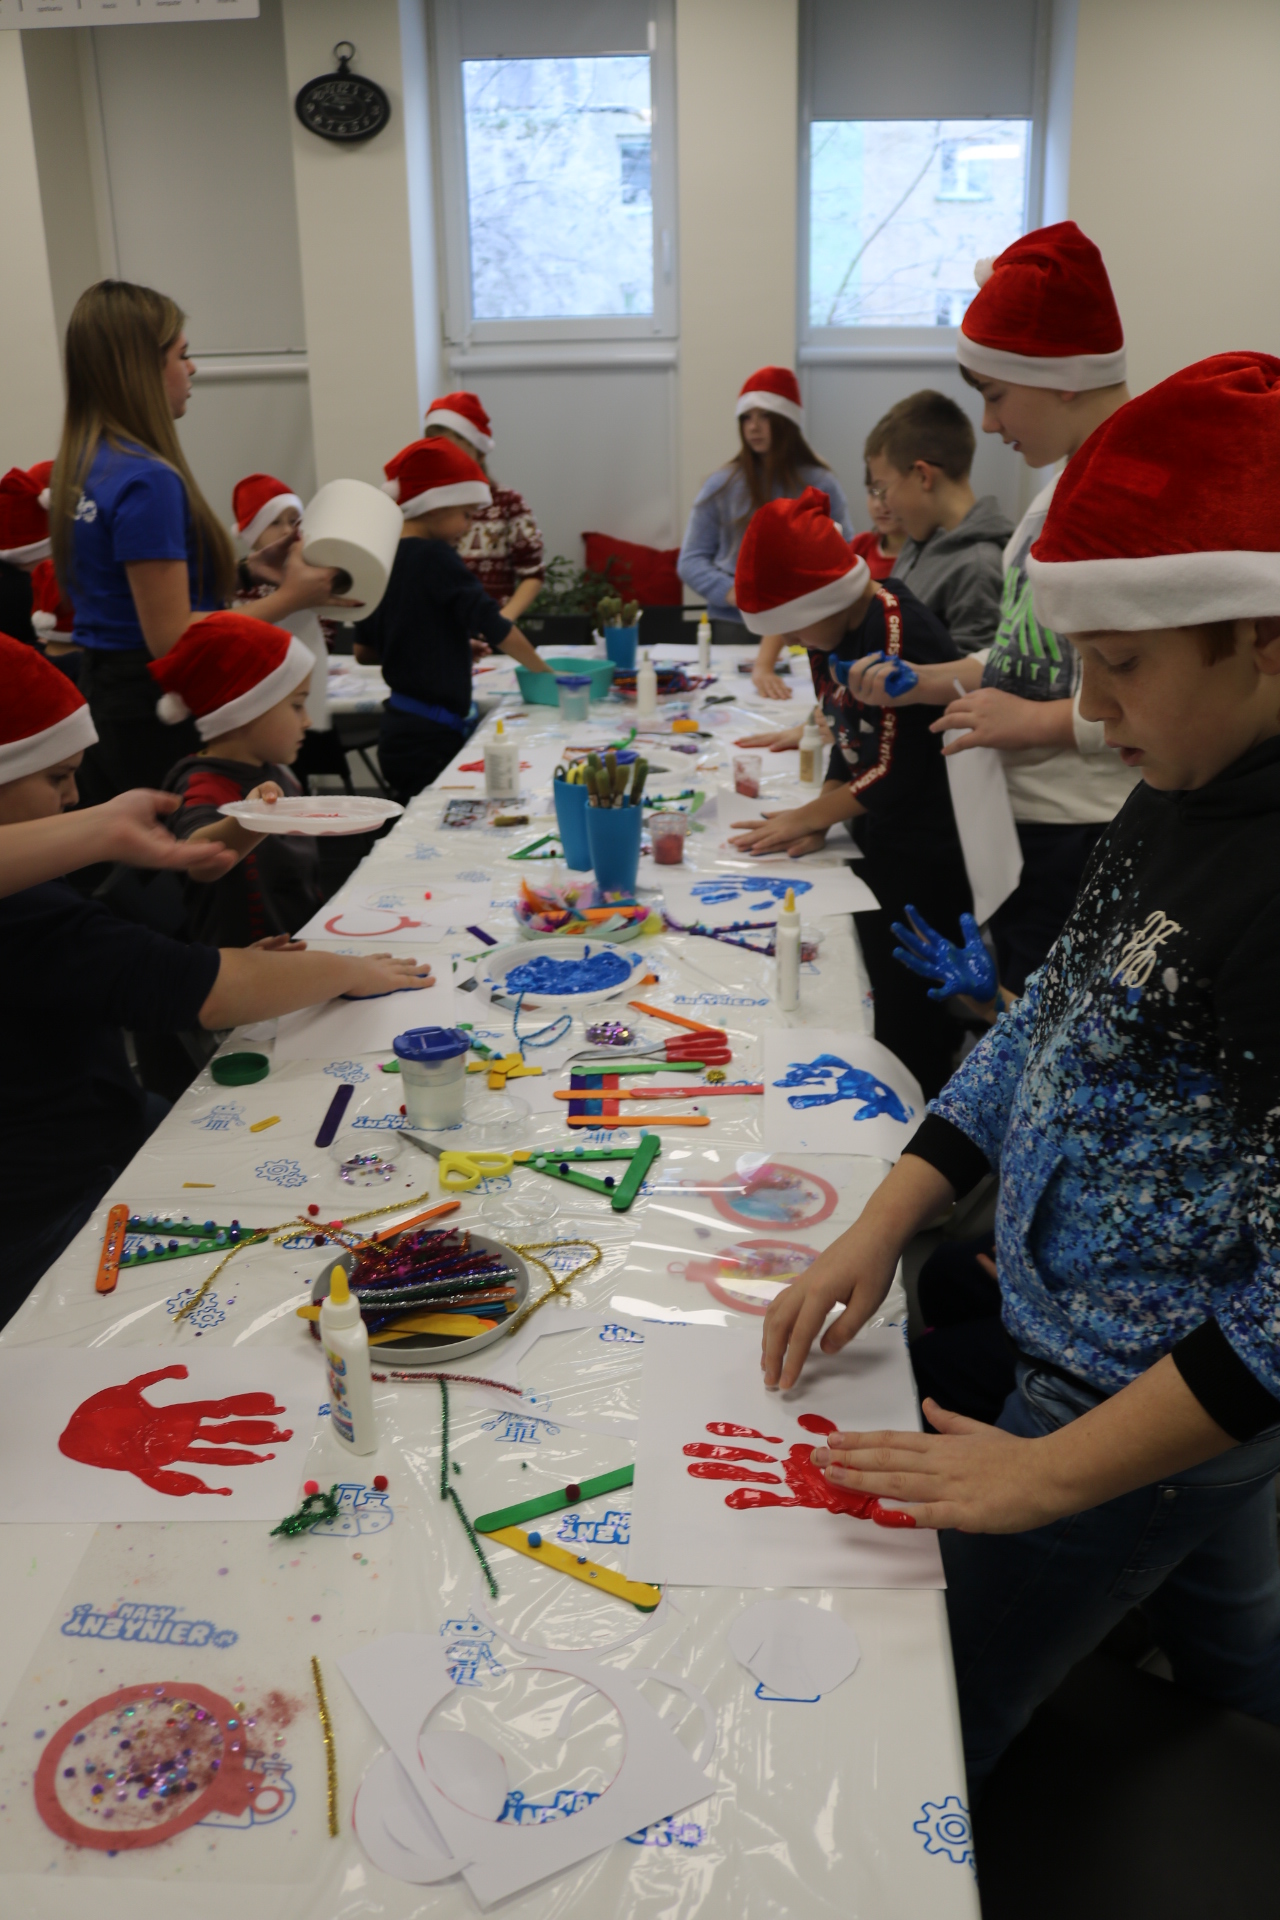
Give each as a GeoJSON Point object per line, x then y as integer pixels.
{"type": "Point", "coordinates": [117, 1428]}
{"type": "Point", "coordinates": [808, 1486]}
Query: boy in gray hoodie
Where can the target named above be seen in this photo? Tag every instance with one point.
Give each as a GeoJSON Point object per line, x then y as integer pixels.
{"type": "Point", "coordinates": [918, 460]}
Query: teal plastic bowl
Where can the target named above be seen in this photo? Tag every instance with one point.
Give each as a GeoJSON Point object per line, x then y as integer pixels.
{"type": "Point", "coordinates": [539, 689]}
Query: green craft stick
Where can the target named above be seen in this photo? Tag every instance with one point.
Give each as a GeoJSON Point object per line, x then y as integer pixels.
{"type": "Point", "coordinates": [554, 1502]}
{"type": "Point", "coordinates": [596, 1068]}
{"type": "Point", "coordinates": [645, 1155]}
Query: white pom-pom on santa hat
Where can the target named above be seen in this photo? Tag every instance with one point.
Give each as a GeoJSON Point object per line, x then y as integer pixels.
{"type": "Point", "coordinates": [44, 622]}
{"type": "Point", "coordinates": [392, 488]}
{"type": "Point", "coordinates": [172, 709]}
{"type": "Point", "coordinates": [982, 269]}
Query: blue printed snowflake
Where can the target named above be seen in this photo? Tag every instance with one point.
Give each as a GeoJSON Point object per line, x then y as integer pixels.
{"type": "Point", "coordinates": [219, 1119]}
{"type": "Point", "coordinates": [476, 877]}
{"type": "Point", "coordinates": [947, 1828]}
{"type": "Point", "coordinates": [669, 1833]}
{"type": "Point", "coordinates": [282, 1173]}
{"type": "Point", "coordinates": [423, 852]}
{"type": "Point", "coordinates": [207, 1314]}
{"type": "Point", "coordinates": [621, 1336]}
{"type": "Point", "coordinates": [390, 902]}
{"type": "Point", "coordinates": [349, 1070]}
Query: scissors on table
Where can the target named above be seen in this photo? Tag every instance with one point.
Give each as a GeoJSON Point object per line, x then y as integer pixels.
{"type": "Point", "coordinates": [460, 1171]}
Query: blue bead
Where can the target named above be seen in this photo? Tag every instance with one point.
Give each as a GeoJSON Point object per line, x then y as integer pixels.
{"type": "Point", "coordinates": [535, 1539]}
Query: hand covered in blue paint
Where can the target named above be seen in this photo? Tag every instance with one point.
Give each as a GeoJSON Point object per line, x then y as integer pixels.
{"type": "Point", "coordinates": [967, 970]}
{"type": "Point", "coordinates": [878, 679]}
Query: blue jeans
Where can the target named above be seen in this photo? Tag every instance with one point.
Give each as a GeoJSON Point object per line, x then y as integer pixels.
{"type": "Point", "coordinates": [1197, 1551]}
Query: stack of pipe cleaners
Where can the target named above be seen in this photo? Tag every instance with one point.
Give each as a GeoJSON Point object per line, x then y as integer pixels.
{"type": "Point", "coordinates": [436, 1271]}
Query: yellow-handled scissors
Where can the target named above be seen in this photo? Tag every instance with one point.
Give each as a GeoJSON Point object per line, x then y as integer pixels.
{"type": "Point", "coordinates": [461, 1171]}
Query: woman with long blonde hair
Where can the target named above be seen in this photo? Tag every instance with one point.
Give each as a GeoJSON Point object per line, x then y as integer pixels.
{"type": "Point", "coordinates": [135, 544]}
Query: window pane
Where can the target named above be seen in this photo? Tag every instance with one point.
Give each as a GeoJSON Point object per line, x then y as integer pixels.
{"type": "Point", "coordinates": [899, 210]}
{"type": "Point", "coordinates": [558, 187]}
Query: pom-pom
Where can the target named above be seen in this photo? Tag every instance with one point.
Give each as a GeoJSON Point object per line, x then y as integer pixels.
{"type": "Point", "coordinates": [393, 488]}
{"type": "Point", "coordinates": [982, 269]}
{"type": "Point", "coordinates": [42, 498]}
{"type": "Point", "coordinates": [172, 708]}
{"type": "Point", "coordinates": [44, 622]}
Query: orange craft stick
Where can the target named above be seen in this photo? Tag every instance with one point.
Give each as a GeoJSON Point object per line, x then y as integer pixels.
{"type": "Point", "coordinates": [676, 1019]}
{"type": "Point", "coordinates": [416, 1220]}
{"type": "Point", "coordinates": [112, 1248]}
{"type": "Point", "coordinates": [636, 1119]}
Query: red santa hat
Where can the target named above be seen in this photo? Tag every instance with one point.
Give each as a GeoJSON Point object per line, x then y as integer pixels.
{"type": "Point", "coordinates": [1147, 526]}
{"type": "Point", "coordinates": [776, 390]}
{"type": "Point", "coordinates": [43, 717]}
{"type": "Point", "coordinates": [434, 473]}
{"type": "Point", "coordinates": [52, 614]}
{"type": "Point", "coordinates": [24, 514]}
{"type": "Point", "coordinates": [462, 413]}
{"type": "Point", "coordinates": [228, 670]}
{"type": "Point", "coordinates": [256, 501]}
{"type": "Point", "coordinates": [1044, 315]}
{"type": "Point", "coordinates": [795, 566]}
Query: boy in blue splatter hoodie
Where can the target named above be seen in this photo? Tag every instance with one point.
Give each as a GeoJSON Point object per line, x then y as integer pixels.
{"type": "Point", "coordinates": [1131, 1102]}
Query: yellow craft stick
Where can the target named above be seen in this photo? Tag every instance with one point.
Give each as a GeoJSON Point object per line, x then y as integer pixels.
{"type": "Point", "coordinates": [589, 1572]}
{"type": "Point", "coordinates": [259, 1126]}
{"type": "Point", "coordinates": [199, 1183]}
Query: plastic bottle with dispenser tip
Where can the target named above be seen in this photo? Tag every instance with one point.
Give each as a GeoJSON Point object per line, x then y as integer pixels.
{"type": "Point", "coordinates": [811, 753]}
{"type": "Point", "coordinates": [345, 1340]}
{"type": "Point", "coordinates": [646, 688]}
{"type": "Point", "coordinates": [704, 643]}
{"type": "Point", "coordinates": [501, 767]}
{"type": "Point", "coordinates": [787, 988]}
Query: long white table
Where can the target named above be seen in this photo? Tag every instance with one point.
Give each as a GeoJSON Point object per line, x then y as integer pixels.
{"type": "Point", "coordinates": [850, 1806]}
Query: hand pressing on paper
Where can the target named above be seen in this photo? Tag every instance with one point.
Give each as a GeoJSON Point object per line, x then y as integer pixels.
{"type": "Point", "coordinates": [966, 1475]}
{"type": "Point", "coordinates": [277, 943]}
{"type": "Point", "coordinates": [780, 742]}
{"type": "Point", "coordinates": [384, 973]}
{"type": "Point", "coordinates": [787, 833]}
{"type": "Point", "coordinates": [769, 685]}
{"type": "Point", "coordinates": [996, 719]}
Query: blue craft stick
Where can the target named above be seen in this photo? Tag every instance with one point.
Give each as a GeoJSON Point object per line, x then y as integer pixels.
{"type": "Point", "coordinates": [480, 934]}
{"type": "Point", "coordinates": [333, 1119]}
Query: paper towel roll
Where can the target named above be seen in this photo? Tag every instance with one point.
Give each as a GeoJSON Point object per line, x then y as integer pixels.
{"type": "Point", "coordinates": [356, 527]}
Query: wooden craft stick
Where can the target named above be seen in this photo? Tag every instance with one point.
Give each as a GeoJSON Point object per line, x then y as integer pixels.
{"type": "Point", "coordinates": [652, 1093]}
{"type": "Point", "coordinates": [640, 1595]}
{"type": "Point", "coordinates": [567, 1496]}
{"type": "Point", "coordinates": [636, 1119]}
{"type": "Point", "coordinates": [112, 1248]}
{"type": "Point", "coordinates": [676, 1019]}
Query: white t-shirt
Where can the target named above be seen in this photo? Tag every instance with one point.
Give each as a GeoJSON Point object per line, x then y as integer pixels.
{"type": "Point", "coordinates": [1048, 786]}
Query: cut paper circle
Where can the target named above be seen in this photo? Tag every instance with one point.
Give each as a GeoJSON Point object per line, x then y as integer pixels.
{"type": "Point", "coordinates": [796, 1652]}
{"type": "Point", "coordinates": [775, 1195]}
{"type": "Point", "coordinates": [395, 1829]}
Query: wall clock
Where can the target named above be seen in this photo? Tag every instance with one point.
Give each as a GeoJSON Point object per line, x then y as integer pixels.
{"type": "Point", "coordinates": [342, 106]}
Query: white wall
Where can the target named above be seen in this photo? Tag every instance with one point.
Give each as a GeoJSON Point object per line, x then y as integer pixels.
{"type": "Point", "coordinates": [1175, 159]}
{"type": "Point", "coordinates": [31, 409]}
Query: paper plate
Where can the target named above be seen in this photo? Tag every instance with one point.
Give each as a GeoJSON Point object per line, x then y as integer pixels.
{"type": "Point", "coordinates": [501, 961]}
{"type": "Point", "coordinates": [412, 1350]}
{"type": "Point", "coordinates": [313, 813]}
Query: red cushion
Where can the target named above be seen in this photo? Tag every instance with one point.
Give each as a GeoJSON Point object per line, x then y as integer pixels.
{"type": "Point", "coordinates": [648, 574]}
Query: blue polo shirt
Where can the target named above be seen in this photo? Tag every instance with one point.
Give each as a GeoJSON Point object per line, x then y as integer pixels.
{"type": "Point", "coordinates": [132, 507]}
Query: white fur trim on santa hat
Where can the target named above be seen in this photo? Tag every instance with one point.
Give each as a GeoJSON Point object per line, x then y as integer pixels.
{"type": "Point", "coordinates": [792, 615]}
{"type": "Point", "coordinates": [263, 517]}
{"type": "Point", "coordinates": [72, 734]}
{"type": "Point", "coordinates": [1072, 373]}
{"type": "Point", "coordinates": [1161, 590]}
{"type": "Point", "coordinates": [293, 669]}
{"type": "Point", "coordinates": [459, 493]}
{"type": "Point", "coordinates": [27, 556]}
{"type": "Point", "coordinates": [769, 403]}
{"type": "Point", "coordinates": [459, 423]}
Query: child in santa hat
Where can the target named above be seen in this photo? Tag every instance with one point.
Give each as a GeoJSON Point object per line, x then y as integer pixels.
{"type": "Point", "coordinates": [246, 685]}
{"type": "Point", "coordinates": [502, 546]}
{"type": "Point", "coordinates": [774, 461]}
{"type": "Point", "coordinates": [1043, 344]}
{"type": "Point", "coordinates": [423, 628]}
{"type": "Point", "coordinates": [1131, 1102]}
{"type": "Point", "coordinates": [73, 974]}
{"type": "Point", "coordinates": [798, 576]}
{"type": "Point", "coordinates": [24, 543]}
{"type": "Point", "coordinates": [266, 517]}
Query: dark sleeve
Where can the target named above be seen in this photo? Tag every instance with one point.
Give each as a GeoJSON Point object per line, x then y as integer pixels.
{"type": "Point", "coordinates": [458, 589]}
{"type": "Point", "coordinates": [1222, 1383]}
{"type": "Point", "coordinates": [59, 950]}
{"type": "Point", "coordinates": [838, 766]}
{"type": "Point", "coordinates": [950, 1152]}
{"type": "Point", "coordinates": [203, 793]}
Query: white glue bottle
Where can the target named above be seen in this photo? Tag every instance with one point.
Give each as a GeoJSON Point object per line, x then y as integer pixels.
{"type": "Point", "coordinates": [646, 689]}
{"type": "Point", "coordinates": [787, 988]}
{"type": "Point", "coordinates": [501, 767]}
{"type": "Point", "coordinates": [704, 643]}
{"type": "Point", "coordinates": [345, 1340]}
{"type": "Point", "coordinates": [811, 753]}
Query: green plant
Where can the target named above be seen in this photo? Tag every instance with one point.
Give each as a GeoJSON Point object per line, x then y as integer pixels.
{"type": "Point", "coordinates": [567, 589]}
{"type": "Point", "coordinates": [614, 611]}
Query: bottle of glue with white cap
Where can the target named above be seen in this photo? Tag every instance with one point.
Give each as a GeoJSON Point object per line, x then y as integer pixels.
{"type": "Point", "coordinates": [501, 767]}
{"type": "Point", "coordinates": [704, 643]}
{"type": "Point", "coordinates": [787, 988]}
{"type": "Point", "coordinates": [345, 1340]}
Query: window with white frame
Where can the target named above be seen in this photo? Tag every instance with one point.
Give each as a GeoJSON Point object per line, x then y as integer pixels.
{"type": "Point", "coordinates": [915, 164]}
{"type": "Point", "coordinates": [557, 170]}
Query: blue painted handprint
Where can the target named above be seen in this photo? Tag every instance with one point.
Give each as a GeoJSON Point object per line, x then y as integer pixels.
{"type": "Point", "coordinates": [737, 886]}
{"type": "Point", "coordinates": [840, 1081]}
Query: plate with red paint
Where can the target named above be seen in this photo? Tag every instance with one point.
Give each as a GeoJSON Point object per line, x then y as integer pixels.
{"type": "Point", "coordinates": [321, 813]}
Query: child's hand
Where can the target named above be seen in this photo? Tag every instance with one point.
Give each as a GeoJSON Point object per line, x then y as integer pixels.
{"type": "Point", "coordinates": [480, 649]}
{"type": "Point", "coordinates": [268, 791]}
{"type": "Point", "coordinates": [967, 970]}
{"type": "Point", "coordinates": [780, 742]}
{"type": "Point", "coordinates": [856, 1278]}
{"type": "Point", "coordinates": [277, 943]}
{"type": "Point", "coordinates": [132, 831]}
{"type": "Point", "coordinates": [380, 973]}
{"type": "Point", "coordinates": [787, 832]}
{"type": "Point", "coordinates": [977, 1478]}
{"type": "Point", "coordinates": [769, 684]}
{"type": "Point", "coordinates": [996, 719]}
{"type": "Point", "coordinates": [880, 680]}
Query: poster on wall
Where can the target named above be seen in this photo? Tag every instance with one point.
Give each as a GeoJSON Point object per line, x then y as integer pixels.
{"type": "Point", "coordinates": [119, 13]}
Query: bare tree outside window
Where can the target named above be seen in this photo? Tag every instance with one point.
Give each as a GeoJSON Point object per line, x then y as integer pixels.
{"type": "Point", "coordinates": [559, 196]}
{"type": "Point", "coordinates": [899, 210]}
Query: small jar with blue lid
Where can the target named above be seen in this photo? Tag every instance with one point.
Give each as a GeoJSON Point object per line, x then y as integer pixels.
{"type": "Point", "coordinates": [433, 1073]}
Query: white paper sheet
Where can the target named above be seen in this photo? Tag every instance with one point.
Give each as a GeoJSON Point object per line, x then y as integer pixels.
{"type": "Point", "coordinates": [828, 1092]}
{"type": "Point", "coordinates": [695, 1378]}
{"type": "Point", "coordinates": [404, 912]}
{"type": "Point", "coordinates": [795, 1651]}
{"type": "Point", "coordinates": [153, 1425]}
{"type": "Point", "coordinates": [341, 1029]}
{"type": "Point", "coordinates": [984, 821]}
{"type": "Point", "coordinates": [718, 899]}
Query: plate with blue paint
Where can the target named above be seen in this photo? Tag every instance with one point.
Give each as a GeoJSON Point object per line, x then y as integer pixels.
{"type": "Point", "coordinates": [563, 973]}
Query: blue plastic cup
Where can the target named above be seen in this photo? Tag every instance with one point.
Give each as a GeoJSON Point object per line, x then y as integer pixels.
{"type": "Point", "coordinates": [613, 834]}
{"type": "Point", "coordinates": [620, 644]}
{"type": "Point", "coordinates": [571, 818]}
